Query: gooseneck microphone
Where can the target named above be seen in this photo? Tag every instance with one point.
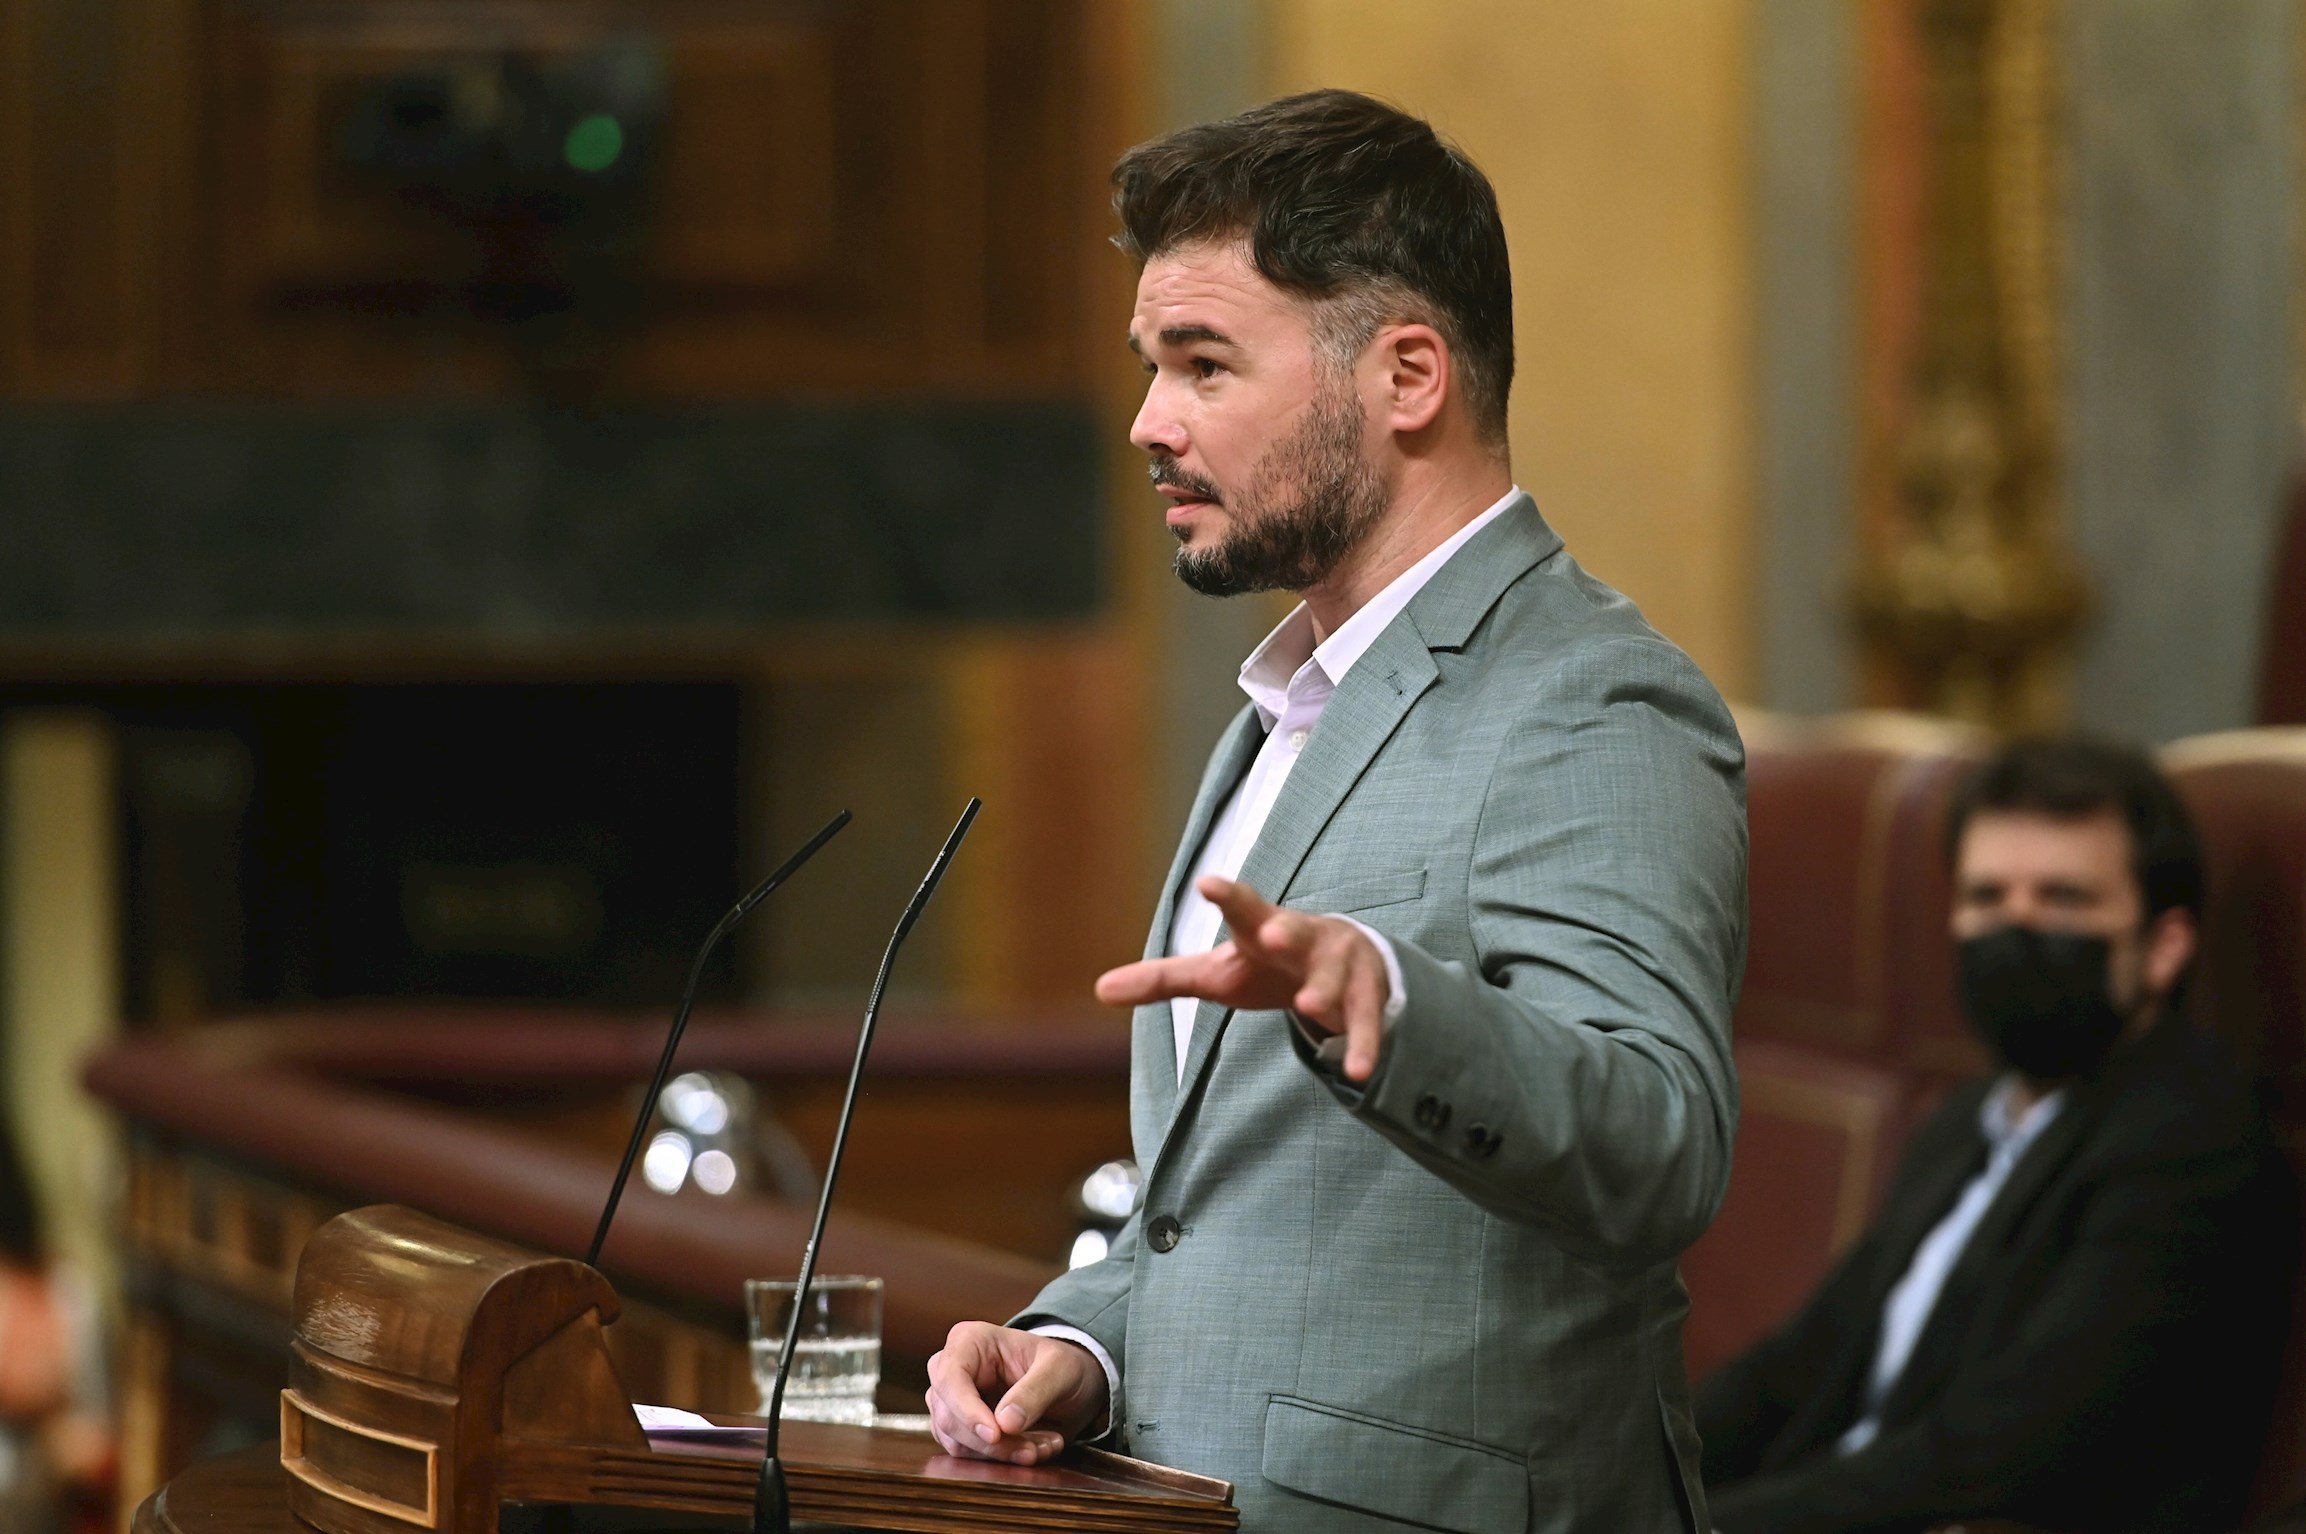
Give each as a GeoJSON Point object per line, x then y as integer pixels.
{"type": "Point", "coordinates": [728, 923]}
{"type": "Point", "coordinates": [772, 1500]}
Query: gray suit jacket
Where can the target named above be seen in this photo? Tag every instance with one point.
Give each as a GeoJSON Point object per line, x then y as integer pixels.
{"type": "Point", "coordinates": [1449, 1300]}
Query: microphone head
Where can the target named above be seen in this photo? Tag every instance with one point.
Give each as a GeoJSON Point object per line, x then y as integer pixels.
{"type": "Point", "coordinates": [649, 1099]}
{"type": "Point", "coordinates": [787, 869]}
{"type": "Point", "coordinates": [937, 868]}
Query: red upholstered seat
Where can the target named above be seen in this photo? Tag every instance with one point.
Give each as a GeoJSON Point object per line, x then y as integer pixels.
{"type": "Point", "coordinates": [1845, 879]}
{"type": "Point", "coordinates": [1816, 1136]}
{"type": "Point", "coordinates": [2282, 670]}
{"type": "Point", "coordinates": [1845, 979]}
{"type": "Point", "coordinates": [2247, 790]}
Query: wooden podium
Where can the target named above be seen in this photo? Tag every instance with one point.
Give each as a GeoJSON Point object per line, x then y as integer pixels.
{"type": "Point", "coordinates": [438, 1375]}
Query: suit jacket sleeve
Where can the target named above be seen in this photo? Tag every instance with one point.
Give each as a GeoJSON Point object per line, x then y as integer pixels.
{"type": "Point", "coordinates": [1094, 1298]}
{"type": "Point", "coordinates": [1589, 1044]}
{"type": "Point", "coordinates": [2133, 1318]}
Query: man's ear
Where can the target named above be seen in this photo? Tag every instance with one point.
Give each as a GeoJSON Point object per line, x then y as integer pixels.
{"type": "Point", "coordinates": [1415, 375]}
{"type": "Point", "coordinates": [2171, 940]}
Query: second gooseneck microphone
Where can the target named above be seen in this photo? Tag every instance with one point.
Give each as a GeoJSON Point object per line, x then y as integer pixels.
{"type": "Point", "coordinates": [737, 913]}
{"type": "Point", "coordinates": [772, 1499]}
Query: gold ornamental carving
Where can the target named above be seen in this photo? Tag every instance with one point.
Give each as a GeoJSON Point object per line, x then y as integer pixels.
{"type": "Point", "coordinates": [1969, 598]}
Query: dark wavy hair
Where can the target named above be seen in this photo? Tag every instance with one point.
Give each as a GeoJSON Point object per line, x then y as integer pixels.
{"type": "Point", "coordinates": [1350, 202]}
{"type": "Point", "coordinates": [2069, 777]}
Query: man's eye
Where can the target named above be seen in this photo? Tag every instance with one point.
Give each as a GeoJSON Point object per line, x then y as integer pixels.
{"type": "Point", "coordinates": [1204, 367]}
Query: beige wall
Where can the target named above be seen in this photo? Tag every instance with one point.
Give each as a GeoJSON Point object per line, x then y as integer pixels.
{"type": "Point", "coordinates": [59, 970]}
{"type": "Point", "coordinates": [1617, 135]}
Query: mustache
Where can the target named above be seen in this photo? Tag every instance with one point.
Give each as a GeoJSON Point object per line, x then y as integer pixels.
{"type": "Point", "coordinates": [1165, 471]}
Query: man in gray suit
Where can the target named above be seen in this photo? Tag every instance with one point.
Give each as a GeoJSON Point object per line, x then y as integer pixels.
{"type": "Point", "coordinates": [1432, 1077]}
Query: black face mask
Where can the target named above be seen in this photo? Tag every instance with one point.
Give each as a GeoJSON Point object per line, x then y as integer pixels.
{"type": "Point", "coordinates": [2040, 999]}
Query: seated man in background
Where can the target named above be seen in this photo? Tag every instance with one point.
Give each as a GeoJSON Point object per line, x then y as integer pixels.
{"type": "Point", "coordinates": [2072, 1306]}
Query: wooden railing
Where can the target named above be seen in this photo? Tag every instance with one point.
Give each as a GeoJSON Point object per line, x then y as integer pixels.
{"type": "Point", "coordinates": [244, 1138]}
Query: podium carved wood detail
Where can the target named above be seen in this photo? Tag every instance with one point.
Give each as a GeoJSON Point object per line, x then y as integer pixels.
{"type": "Point", "coordinates": [421, 1352]}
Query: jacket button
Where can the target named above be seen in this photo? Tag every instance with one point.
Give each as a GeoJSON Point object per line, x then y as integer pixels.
{"type": "Point", "coordinates": [1431, 1113]}
{"type": "Point", "coordinates": [1162, 1232]}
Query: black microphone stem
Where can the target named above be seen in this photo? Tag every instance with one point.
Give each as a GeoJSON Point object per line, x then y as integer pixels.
{"type": "Point", "coordinates": [737, 913]}
{"type": "Point", "coordinates": [772, 1500]}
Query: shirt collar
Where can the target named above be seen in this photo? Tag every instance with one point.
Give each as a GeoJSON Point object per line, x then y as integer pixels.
{"type": "Point", "coordinates": [1284, 656]}
{"type": "Point", "coordinates": [2007, 1131]}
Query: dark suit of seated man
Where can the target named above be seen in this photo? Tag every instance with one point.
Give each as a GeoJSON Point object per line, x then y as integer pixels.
{"type": "Point", "coordinates": [2070, 1310]}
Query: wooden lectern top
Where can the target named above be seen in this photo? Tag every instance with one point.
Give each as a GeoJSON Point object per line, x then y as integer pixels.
{"type": "Point", "coordinates": [438, 1375]}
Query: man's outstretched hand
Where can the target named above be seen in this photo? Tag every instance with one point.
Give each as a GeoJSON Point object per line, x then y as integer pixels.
{"type": "Point", "coordinates": [1323, 968]}
{"type": "Point", "coordinates": [1044, 1392]}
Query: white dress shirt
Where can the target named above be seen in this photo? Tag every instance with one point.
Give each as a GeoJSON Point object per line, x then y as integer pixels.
{"type": "Point", "coordinates": [1290, 678]}
{"type": "Point", "coordinates": [1908, 1308]}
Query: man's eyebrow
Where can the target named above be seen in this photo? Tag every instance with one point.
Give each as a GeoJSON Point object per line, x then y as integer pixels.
{"type": "Point", "coordinates": [1187, 335]}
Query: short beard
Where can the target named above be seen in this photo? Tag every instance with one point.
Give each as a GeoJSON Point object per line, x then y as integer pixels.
{"type": "Point", "coordinates": [1292, 544]}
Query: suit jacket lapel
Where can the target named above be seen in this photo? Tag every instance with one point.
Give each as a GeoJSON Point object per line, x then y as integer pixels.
{"type": "Point", "coordinates": [1153, 1039]}
{"type": "Point", "coordinates": [1904, 1224]}
{"type": "Point", "coordinates": [2095, 1113]}
{"type": "Point", "coordinates": [1236, 749]}
{"type": "Point", "coordinates": [1951, 1317]}
{"type": "Point", "coordinates": [1914, 1217]}
{"type": "Point", "coordinates": [1361, 716]}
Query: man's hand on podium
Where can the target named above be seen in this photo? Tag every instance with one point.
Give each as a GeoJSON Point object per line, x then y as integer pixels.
{"type": "Point", "coordinates": [1323, 968]}
{"type": "Point", "coordinates": [1051, 1391]}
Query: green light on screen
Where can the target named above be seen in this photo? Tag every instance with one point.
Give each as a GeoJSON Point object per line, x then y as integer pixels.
{"type": "Point", "coordinates": [594, 143]}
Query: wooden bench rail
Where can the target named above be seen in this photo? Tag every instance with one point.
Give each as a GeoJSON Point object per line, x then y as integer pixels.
{"type": "Point", "coordinates": [373, 1146]}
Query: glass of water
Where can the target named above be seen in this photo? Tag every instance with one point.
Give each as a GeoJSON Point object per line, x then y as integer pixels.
{"type": "Point", "coordinates": [836, 1358]}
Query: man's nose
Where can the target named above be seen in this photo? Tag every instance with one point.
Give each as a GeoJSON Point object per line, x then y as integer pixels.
{"type": "Point", "coordinates": [1157, 429]}
{"type": "Point", "coordinates": [2025, 908]}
